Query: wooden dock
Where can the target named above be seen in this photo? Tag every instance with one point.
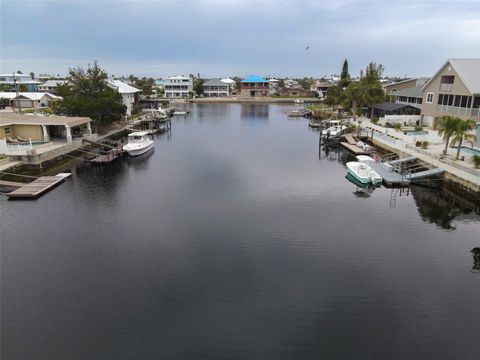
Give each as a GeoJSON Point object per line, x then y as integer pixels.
{"type": "Point", "coordinates": [13, 184]}
{"type": "Point", "coordinates": [38, 187]}
{"type": "Point", "coordinates": [356, 150]}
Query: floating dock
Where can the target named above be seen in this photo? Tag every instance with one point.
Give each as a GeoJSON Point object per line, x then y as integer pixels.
{"type": "Point", "coordinates": [38, 187]}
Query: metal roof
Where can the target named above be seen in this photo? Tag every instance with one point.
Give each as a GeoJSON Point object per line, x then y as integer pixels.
{"type": "Point", "coordinates": [254, 79]}
{"type": "Point", "coordinates": [214, 82]}
{"type": "Point", "coordinates": [122, 88]}
{"type": "Point", "coordinates": [29, 95]}
{"type": "Point", "coordinates": [467, 69]}
{"type": "Point", "coordinates": [10, 118]}
{"type": "Point", "coordinates": [387, 106]}
{"type": "Point", "coordinates": [410, 92]}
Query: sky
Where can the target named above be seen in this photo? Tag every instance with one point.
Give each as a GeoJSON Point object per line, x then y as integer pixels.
{"type": "Point", "coordinates": [217, 38]}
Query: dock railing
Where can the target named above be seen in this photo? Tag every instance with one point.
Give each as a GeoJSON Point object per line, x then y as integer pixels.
{"type": "Point", "coordinates": [20, 148]}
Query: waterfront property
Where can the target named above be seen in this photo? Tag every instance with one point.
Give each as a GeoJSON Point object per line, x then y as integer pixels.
{"type": "Point", "coordinates": [215, 88]}
{"type": "Point", "coordinates": [178, 86]}
{"type": "Point", "coordinates": [22, 80]}
{"type": "Point", "coordinates": [395, 87]}
{"type": "Point", "coordinates": [35, 139]}
{"type": "Point", "coordinates": [129, 94]}
{"type": "Point", "coordinates": [454, 90]}
{"type": "Point", "coordinates": [29, 100]}
{"type": "Point", "coordinates": [254, 86]}
{"type": "Point", "coordinates": [51, 86]}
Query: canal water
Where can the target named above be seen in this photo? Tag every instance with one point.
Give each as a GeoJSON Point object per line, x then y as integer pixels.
{"type": "Point", "coordinates": [238, 238]}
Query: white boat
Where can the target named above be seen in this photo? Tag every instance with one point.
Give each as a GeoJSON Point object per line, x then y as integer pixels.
{"type": "Point", "coordinates": [299, 101]}
{"type": "Point", "coordinates": [138, 143]}
{"type": "Point", "coordinates": [335, 129]}
{"type": "Point", "coordinates": [364, 173]}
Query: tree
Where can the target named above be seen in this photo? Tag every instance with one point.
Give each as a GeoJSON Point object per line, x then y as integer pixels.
{"type": "Point", "coordinates": [462, 134]}
{"type": "Point", "coordinates": [32, 75]}
{"type": "Point", "coordinates": [353, 97]}
{"type": "Point", "coordinates": [86, 93]}
{"type": "Point", "coordinates": [19, 72]}
{"type": "Point", "coordinates": [345, 79]}
{"type": "Point", "coordinates": [198, 85]}
{"type": "Point", "coordinates": [145, 84]}
{"type": "Point", "coordinates": [332, 97]}
{"type": "Point", "coordinates": [373, 95]}
{"type": "Point", "coordinates": [447, 129]}
{"type": "Point", "coordinates": [373, 72]}
{"type": "Point", "coordinates": [305, 83]}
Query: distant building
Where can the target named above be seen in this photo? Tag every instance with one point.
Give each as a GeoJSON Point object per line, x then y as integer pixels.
{"type": "Point", "coordinates": [320, 87]}
{"type": "Point", "coordinates": [19, 79]}
{"type": "Point", "coordinates": [254, 86]}
{"type": "Point", "coordinates": [454, 90]}
{"type": "Point", "coordinates": [129, 93]}
{"type": "Point", "coordinates": [215, 88]}
{"type": "Point", "coordinates": [178, 86]}
{"type": "Point", "coordinates": [51, 86]}
{"type": "Point", "coordinates": [272, 86]}
{"type": "Point", "coordinates": [294, 91]}
{"type": "Point", "coordinates": [29, 100]}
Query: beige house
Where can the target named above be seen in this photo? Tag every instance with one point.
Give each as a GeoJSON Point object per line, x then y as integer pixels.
{"type": "Point", "coordinates": [19, 127]}
{"type": "Point", "coordinates": [454, 90]}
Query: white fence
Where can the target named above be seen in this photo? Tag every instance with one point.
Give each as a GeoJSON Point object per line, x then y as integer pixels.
{"type": "Point", "coordinates": [410, 120]}
{"type": "Point", "coordinates": [15, 148]}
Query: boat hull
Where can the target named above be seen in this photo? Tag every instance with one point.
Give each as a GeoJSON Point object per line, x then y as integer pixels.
{"type": "Point", "coordinates": [368, 175]}
{"type": "Point", "coordinates": [139, 151]}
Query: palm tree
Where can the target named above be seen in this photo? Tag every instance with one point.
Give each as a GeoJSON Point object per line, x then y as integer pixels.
{"type": "Point", "coordinates": [447, 130]}
{"type": "Point", "coordinates": [462, 133]}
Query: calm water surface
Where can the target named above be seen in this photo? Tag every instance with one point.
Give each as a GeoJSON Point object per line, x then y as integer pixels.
{"type": "Point", "coordinates": [236, 239]}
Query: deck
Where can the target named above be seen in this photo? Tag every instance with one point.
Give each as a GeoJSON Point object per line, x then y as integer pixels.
{"type": "Point", "coordinates": [356, 150]}
{"type": "Point", "coordinates": [38, 187]}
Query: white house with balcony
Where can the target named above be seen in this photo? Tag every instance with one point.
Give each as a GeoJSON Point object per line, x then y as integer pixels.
{"type": "Point", "coordinates": [178, 86]}
{"type": "Point", "coordinates": [454, 90]}
{"type": "Point", "coordinates": [215, 88]}
{"type": "Point", "coordinates": [129, 93]}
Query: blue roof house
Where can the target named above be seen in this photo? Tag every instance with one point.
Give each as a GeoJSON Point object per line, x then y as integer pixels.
{"type": "Point", "coordinates": [254, 86]}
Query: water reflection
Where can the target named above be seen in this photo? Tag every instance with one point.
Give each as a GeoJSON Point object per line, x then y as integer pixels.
{"type": "Point", "coordinates": [362, 190]}
{"type": "Point", "coordinates": [254, 112]}
{"type": "Point", "coordinates": [435, 208]}
{"type": "Point", "coordinates": [476, 259]}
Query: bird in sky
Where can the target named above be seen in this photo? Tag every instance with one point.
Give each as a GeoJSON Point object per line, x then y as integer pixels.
{"type": "Point", "coordinates": [308, 47]}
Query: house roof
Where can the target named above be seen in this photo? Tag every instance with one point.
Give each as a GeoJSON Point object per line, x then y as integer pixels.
{"type": "Point", "coordinates": [214, 82]}
{"type": "Point", "coordinates": [10, 118]}
{"type": "Point", "coordinates": [467, 69]}
{"type": "Point", "coordinates": [178, 77]}
{"type": "Point", "coordinates": [53, 83]}
{"type": "Point", "coordinates": [415, 91]}
{"type": "Point", "coordinates": [123, 88]}
{"type": "Point", "coordinates": [254, 79]}
{"type": "Point", "coordinates": [387, 106]}
{"type": "Point", "coordinates": [228, 81]}
{"type": "Point", "coordinates": [28, 95]}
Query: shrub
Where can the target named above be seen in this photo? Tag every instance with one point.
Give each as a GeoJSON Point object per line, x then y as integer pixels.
{"type": "Point", "coordinates": [375, 120]}
{"type": "Point", "coordinates": [418, 128]}
{"type": "Point", "coordinates": [476, 161]}
{"type": "Point", "coordinates": [424, 144]}
{"type": "Point", "coordinates": [397, 126]}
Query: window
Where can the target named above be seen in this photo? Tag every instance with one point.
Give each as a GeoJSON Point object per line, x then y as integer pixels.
{"type": "Point", "coordinates": [7, 130]}
{"type": "Point", "coordinates": [429, 98]}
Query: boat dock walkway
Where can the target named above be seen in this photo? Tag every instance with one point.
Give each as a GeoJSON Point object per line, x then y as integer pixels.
{"type": "Point", "coordinates": [38, 187]}
{"type": "Point", "coordinates": [13, 184]}
{"type": "Point", "coordinates": [389, 177]}
{"type": "Point", "coordinates": [403, 160]}
{"type": "Point", "coordinates": [356, 150]}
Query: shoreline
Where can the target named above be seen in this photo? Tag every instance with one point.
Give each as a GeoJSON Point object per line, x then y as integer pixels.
{"type": "Point", "coordinates": [258, 100]}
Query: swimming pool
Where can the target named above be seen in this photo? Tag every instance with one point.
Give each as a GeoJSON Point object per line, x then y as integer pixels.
{"type": "Point", "coordinates": [416, 133]}
{"type": "Point", "coordinates": [468, 150]}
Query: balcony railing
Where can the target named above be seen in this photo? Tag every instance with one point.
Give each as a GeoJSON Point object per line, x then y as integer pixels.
{"type": "Point", "coordinates": [456, 110]}
{"type": "Point", "coordinates": [446, 87]}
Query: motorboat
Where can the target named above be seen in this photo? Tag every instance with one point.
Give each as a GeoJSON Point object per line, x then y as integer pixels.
{"type": "Point", "coordinates": [335, 129]}
{"type": "Point", "coordinates": [138, 143]}
{"type": "Point", "coordinates": [364, 173]}
{"type": "Point", "coordinates": [299, 101]}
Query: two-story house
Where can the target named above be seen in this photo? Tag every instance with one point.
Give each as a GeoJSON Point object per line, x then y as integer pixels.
{"type": "Point", "coordinates": [254, 86]}
{"type": "Point", "coordinates": [51, 85]}
{"type": "Point", "coordinates": [129, 94]}
{"type": "Point", "coordinates": [178, 86]}
{"type": "Point", "coordinates": [454, 90]}
{"type": "Point", "coordinates": [215, 88]}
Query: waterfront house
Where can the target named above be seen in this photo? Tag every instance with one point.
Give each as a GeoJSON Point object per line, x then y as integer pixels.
{"type": "Point", "coordinates": [129, 93]}
{"type": "Point", "coordinates": [41, 128]}
{"type": "Point", "coordinates": [21, 80]}
{"type": "Point", "coordinates": [272, 86]}
{"type": "Point", "coordinates": [254, 86]}
{"type": "Point", "coordinates": [178, 86]}
{"type": "Point", "coordinates": [50, 86]}
{"type": "Point", "coordinates": [29, 100]}
{"type": "Point", "coordinates": [320, 87]}
{"type": "Point", "coordinates": [454, 90]}
{"type": "Point", "coordinates": [215, 88]}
